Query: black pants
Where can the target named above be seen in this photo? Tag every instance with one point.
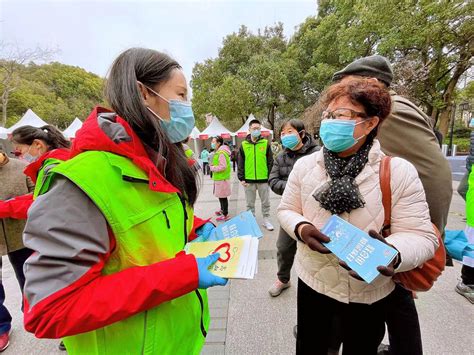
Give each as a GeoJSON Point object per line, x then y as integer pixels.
{"type": "Point", "coordinates": [286, 250]}
{"type": "Point", "coordinates": [361, 327]}
{"type": "Point", "coordinates": [467, 275]}
{"type": "Point", "coordinates": [17, 259]}
{"type": "Point", "coordinates": [205, 168]}
{"type": "Point", "coordinates": [234, 164]}
{"type": "Point", "coordinates": [224, 205]}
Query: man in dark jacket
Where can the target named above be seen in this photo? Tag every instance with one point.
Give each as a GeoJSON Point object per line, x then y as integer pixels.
{"type": "Point", "coordinates": [13, 183]}
{"type": "Point", "coordinates": [282, 166]}
{"type": "Point", "coordinates": [254, 162]}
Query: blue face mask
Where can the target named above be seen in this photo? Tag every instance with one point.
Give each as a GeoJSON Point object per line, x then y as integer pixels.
{"type": "Point", "coordinates": [338, 135]}
{"type": "Point", "coordinates": [256, 133]}
{"type": "Point", "coordinates": [213, 145]}
{"type": "Point", "coordinates": [181, 121]}
{"type": "Point", "coordinates": [471, 124]}
{"type": "Point", "coordinates": [290, 141]}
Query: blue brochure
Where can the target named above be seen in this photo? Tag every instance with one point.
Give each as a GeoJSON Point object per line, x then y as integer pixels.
{"type": "Point", "coordinates": [359, 250]}
{"type": "Point", "coordinates": [238, 226]}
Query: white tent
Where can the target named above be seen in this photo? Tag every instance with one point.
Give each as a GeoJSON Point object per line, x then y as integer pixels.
{"type": "Point", "coordinates": [195, 133]}
{"type": "Point", "coordinates": [29, 119]}
{"type": "Point", "coordinates": [70, 132]}
{"type": "Point", "coordinates": [244, 130]}
{"type": "Point", "coordinates": [3, 133]}
{"type": "Point", "coordinates": [214, 129]}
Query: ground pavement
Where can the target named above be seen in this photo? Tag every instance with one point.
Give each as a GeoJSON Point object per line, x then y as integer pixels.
{"type": "Point", "coordinates": [246, 320]}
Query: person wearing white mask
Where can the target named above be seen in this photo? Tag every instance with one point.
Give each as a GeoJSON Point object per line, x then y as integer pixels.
{"type": "Point", "coordinates": [254, 162]}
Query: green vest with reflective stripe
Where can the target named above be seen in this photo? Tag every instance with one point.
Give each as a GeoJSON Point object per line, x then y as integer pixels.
{"type": "Point", "coordinates": [224, 174]}
{"type": "Point", "coordinates": [148, 227]}
{"type": "Point", "coordinates": [255, 160]}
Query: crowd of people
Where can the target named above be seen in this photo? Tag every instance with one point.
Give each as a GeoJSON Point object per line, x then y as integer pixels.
{"type": "Point", "coordinates": [95, 230]}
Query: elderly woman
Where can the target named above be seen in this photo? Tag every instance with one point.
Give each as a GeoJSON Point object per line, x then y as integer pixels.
{"type": "Point", "coordinates": [342, 179]}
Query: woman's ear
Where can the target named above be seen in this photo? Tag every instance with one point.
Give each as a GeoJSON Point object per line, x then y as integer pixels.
{"type": "Point", "coordinates": [144, 93]}
{"type": "Point", "coordinates": [372, 123]}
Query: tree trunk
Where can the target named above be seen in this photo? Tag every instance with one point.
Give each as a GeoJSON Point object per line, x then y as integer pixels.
{"type": "Point", "coordinates": [444, 120]}
{"type": "Point", "coordinates": [3, 121]}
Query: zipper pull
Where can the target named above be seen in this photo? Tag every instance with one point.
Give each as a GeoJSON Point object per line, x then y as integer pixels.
{"type": "Point", "coordinates": [167, 220]}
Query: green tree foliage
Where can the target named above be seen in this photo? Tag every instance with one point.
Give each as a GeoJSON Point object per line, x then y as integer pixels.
{"type": "Point", "coordinates": [251, 74]}
{"type": "Point", "coordinates": [56, 92]}
{"type": "Point", "coordinates": [430, 44]}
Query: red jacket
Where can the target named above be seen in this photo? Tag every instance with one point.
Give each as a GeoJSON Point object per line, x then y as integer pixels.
{"type": "Point", "coordinates": [85, 303]}
{"type": "Point", "coordinates": [18, 207]}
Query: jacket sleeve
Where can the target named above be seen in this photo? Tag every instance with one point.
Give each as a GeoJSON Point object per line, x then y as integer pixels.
{"type": "Point", "coordinates": [276, 183]}
{"type": "Point", "coordinates": [222, 164]}
{"type": "Point", "coordinates": [16, 207]}
{"type": "Point", "coordinates": [66, 292]}
{"type": "Point", "coordinates": [412, 231]}
{"type": "Point", "coordinates": [241, 164]}
{"type": "Point", "coordinates": [269, 157]}
{"type": "Point", "coordinates": [290, 210]}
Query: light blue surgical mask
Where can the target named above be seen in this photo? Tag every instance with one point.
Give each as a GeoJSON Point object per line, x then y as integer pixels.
{"type": "Point", "coordinates": [213, 145]}
{"type": "Point", "coordinates": [181, 122]}
{"type": "Point", "coordinates": [256, 133]}
{"type": "Point", "coordinates": [471, 124]}
{"type": "Point", "coordinates": [338, 135]}
{"type": "Point", "coordinates": [290, 141]}
{"type": "Point", "coordinates": [29, 157]}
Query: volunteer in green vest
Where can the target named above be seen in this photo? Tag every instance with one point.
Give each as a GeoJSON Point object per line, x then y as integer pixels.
{"type": "Point", "coordinates": [254, 164]}
{"type": "Point", "coordinates": [109, 225]}
{"type": "Point", "coordinates": [220, 167]}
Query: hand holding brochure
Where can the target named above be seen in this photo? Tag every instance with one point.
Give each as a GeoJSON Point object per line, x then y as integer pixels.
{"type": "Point", "coordinates": [361, 252]}
{"type": "Point", "coordinates": [238, 256]}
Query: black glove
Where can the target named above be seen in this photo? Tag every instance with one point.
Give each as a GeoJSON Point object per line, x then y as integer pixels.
{"type": "Point", "coordinates": [388, 271]}
{"type": "Point", "coordinates": [313, 238]}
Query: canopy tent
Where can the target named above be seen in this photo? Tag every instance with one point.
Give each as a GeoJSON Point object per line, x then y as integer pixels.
{"type": "Point", "coordinates": [244, 130]}
{"type": "Point", "coordinates": [214, 129]}
{"type": "Point", "coordinates": [195, 133]}
{"type": "Point", "coordinates": [3, 133]}
{"type": "Point", "coordinates": [29, 119]}
{"type": "Point", "coordinates": [70, 132]}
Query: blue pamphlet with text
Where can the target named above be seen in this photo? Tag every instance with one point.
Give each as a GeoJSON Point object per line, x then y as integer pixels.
{"type": "Point", "coordinates": [240, 225]}
{"type": "Point", "coordinates": [361, 252]}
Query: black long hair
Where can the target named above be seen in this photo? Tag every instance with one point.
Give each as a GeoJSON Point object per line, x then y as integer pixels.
{"type": "Point", "coordinates": [149, 67]}
{"type": "Point", "coordinates": [50, 135]}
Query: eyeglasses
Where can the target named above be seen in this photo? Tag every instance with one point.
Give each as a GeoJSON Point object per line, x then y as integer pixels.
{"type": "Point", "coordinates": [343, 113]}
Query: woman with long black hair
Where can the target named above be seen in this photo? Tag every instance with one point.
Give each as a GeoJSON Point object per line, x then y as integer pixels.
{"type": "Point", "coordinates": [108, 228]}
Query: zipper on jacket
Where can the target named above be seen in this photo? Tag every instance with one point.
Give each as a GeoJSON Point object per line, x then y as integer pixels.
{"type": "Point", "coordinates": [167, 220]}
{"type": "Point", "coordinates": [203, 329]}
{"type": "Point", "coordinates": [183, 203]}
{"type": "Point", "coordinates": [255, 160]}
{"type": "Point", "coordinates": [132, 179]}
{"type": "Point", "coordinates": [145, 332]}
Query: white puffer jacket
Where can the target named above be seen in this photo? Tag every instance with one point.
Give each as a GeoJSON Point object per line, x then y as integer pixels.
{"type": "Point", "coordinates": [412, 231]}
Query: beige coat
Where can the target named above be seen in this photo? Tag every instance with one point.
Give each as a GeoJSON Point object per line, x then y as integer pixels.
{"type": "Point", "coordinates": [12, 183]}
{"type": "Point", "coordinates": [412, 231]}
{"type": "Point", "coordinates": [408, 133]}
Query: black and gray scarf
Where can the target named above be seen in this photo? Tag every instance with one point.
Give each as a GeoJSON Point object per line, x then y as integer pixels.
{"type": "Point", "coordinates": [341, 193]}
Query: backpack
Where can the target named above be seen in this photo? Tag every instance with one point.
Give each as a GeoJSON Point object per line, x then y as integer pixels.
{"type": "Point", "coordinates": [423, 277]}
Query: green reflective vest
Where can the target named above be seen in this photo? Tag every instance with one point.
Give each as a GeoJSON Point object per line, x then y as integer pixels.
{"type": "Point", "coordinates": [255, 160]}
{"type": "Point", "coordinates": [470, 200]}
{"type": "Point", "coordinates": [148, 227]}
{"type": "Point", "coordinates": [224, 174]}
{"type": "Point", "coordinates": [42, 174]}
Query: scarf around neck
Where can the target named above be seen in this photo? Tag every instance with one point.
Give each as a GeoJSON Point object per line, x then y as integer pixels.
{"type": "Point", "coordinates": [341, 193]}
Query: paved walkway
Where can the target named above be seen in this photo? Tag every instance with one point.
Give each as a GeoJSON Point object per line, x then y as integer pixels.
{"type": "Point", "coordinates": [246, 320]}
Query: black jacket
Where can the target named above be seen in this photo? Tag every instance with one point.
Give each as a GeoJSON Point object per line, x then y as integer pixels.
{"type": "Point", "coordinates": [284, 162]}
{"type": "Point", "coordinates": [241, 161]}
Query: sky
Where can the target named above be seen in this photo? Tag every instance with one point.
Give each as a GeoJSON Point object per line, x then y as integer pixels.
{"type": "Point", "coordinates": [90, 34]}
